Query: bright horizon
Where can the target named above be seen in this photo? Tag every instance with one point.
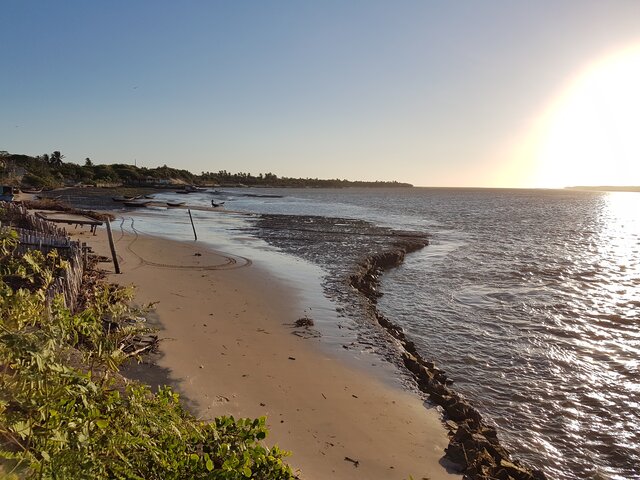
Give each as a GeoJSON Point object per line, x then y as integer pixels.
{"type": "Point", "coordinates": [491, 94]}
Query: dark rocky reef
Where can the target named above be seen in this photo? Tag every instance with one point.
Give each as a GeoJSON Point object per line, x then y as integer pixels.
{"type": "Point", "coordinates": [473, 447]}
{"type": "Point", "coordinates": [366, 280]}
{"type": "Point", "coordinates": [337, 244]}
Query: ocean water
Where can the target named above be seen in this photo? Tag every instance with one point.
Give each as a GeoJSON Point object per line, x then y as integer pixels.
{"type": "Point", "coordinates": [528, 299]}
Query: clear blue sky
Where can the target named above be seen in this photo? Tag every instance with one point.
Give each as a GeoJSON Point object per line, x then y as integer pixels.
{"type": "Point", "coordinates": [434, 93]}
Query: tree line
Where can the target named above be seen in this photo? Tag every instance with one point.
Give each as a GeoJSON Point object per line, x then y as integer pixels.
{"type": "Point", "coordinates": [50, 171]}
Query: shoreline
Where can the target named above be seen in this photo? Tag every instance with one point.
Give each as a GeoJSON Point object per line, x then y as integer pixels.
{"type": "Point", "coordinates": [398, 309]}
{"type": "Point", "coordinates": [474, 445]}
{"type": "Point", "coordinates": [323, 415]}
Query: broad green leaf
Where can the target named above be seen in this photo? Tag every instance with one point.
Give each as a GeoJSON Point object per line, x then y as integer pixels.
{"type": "Point", "coordinates": [102, 423]}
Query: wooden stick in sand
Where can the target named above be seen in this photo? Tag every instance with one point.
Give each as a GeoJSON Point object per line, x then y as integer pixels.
{"type": "Point", "coordinates": [192, 225]}
{"type": "Point", "coordinates": [113, 247]}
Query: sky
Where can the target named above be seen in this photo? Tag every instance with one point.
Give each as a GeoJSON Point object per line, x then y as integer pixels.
{"type": "Point", "coordinates": [470, 93]}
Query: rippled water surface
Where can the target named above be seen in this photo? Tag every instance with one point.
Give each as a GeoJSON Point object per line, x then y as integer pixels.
{"type": "Point", "coordinates": [530, 300]}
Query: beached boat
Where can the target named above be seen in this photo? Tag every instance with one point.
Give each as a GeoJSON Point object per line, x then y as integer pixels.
{"type": "Point", "coordinates": [175, 204]}
{"type": "Point", "coordinates": [122, 198]}
{"type": "Point", "coordinates": [31, 190]}
{"type": "Point", "coordinates": [137, 203]}
{"type": "Point", "coordinates": [216, 205]}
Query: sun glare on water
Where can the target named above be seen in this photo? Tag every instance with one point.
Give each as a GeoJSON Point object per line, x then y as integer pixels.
{"type": "Point", "coordinates": [591, 134]}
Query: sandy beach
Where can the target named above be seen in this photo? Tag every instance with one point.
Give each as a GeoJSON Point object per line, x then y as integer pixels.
{"type": "Point", "coordinates": [228, 348]}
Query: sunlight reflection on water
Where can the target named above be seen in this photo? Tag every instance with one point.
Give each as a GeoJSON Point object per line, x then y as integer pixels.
{"type": "Point", "coordinates": [552, 309]}
{"type": "Point", "coordinates": [529, 299]}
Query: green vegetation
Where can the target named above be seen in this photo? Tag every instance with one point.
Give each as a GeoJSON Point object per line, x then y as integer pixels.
{"type": "Point", "coordinates": [66, 413]}
{"type": "Point", "coordinates": [50, 171]}
{"type": "Point", "coordinates": [269, 179]}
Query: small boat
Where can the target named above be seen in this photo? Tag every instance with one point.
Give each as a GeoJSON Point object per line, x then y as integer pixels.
{"type": "Point", "coordinates": [136, 203]}
{"type": "Point", "coordinates": [216, 205]}
{"type": "Point", "coordinates": [262, 195]}
{"type": "Point", "coordinates": [191, 189]}
{"type": "Point", "coordinates": [122, 198]}
{"type": "Point", "coordinates": [31, 190]}
{"type": "Point", "coordinates": [175, 204]}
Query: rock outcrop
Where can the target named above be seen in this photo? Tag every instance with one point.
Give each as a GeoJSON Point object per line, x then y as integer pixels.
{"type": "Point", "coordinates": [336, 244]}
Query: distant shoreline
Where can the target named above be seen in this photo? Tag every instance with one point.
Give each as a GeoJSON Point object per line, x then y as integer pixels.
{"type": "Point", "coordinates": [49, 171]}
{"type": "Point", "coordinates": [605, 188]}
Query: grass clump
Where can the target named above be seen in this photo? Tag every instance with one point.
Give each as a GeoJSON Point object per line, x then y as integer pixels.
{"type": "Point", "coordinates": [65, 412]}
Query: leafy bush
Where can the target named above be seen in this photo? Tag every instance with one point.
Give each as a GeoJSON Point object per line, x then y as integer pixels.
{"type": "Point", "coordinates": [66, 413]}
{"type": "Point", "coordinates": [37, 181]}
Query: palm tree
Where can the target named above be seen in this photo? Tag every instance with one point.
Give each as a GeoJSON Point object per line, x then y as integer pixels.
{"type": "Point", "coordinates": [56, 159]}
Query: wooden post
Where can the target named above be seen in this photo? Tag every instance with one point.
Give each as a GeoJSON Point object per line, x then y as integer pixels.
{"type": "Point", "coordinates": [192, 225]}
{"type": "Point", "coordinates": [113, 247]}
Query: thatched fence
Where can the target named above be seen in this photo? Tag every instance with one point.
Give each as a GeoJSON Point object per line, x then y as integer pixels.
{"type": "Point", "coordinates": [34, 233]}
{"type": "Point", "coordinates": [17, 216]}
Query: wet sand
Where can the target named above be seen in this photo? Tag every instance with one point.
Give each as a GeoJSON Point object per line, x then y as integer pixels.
{"type": "Point", "coordinates": [229, 350]}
